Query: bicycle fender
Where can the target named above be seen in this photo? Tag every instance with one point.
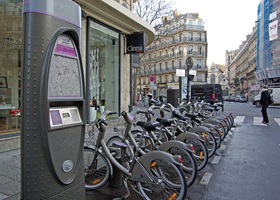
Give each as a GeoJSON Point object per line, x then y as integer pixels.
{"type": "Point", "coordinates": [212, 120]}
{"type": "Point", "coordinates": [166, 146]}
{"type": "Point", "coordinates": [183, 136]}
{"type": "Point", "coordinates": [199, 129]}
{"type": "Point", "coordinates": [209, 125]}
{"type": "Point", "coordinates": [142, 169]}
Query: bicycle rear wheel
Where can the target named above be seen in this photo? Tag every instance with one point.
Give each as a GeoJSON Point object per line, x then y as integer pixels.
{"type": "Point", "coordinates": [128, 152]}
{"type": "Point", "coordinates": [172, 178]}
{"type": "Point", "coordinates": [200, 152]}
{"type": "Point", "coordinates": [97, 171]}
{"type": "Point", "coordinates": [210, 143]}
{"type": "Point", "coordinates": [189, 165]}
{"type": "Point", "coordinates": [147, 143]}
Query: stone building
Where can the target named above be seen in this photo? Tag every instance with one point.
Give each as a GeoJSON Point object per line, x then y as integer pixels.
{"type": "Point", "coordinates": [177, 38]}
{"type": "Point", "coordinates": [217, 75]}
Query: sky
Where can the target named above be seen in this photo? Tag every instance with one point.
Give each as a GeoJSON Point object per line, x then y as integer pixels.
{"type": "Point", "coordinates": [227, 22]}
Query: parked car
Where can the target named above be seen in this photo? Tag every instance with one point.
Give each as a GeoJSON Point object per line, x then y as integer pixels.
{"type": "Point", "coordinates": [226, 98]}
{"type": "Point", "coordinates": [242, 99]}
{"type": "Point", "coordinates": [275, 94]}
{"type": "Point", "coordinates": [231, 98]}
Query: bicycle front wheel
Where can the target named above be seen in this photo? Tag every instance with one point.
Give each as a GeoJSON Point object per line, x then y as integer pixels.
{"type": "Point", "coordinates": [97, 171]}
{"type": "Point", "coordinates": [172, 178]}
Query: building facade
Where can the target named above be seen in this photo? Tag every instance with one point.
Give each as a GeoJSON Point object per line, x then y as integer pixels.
{"type": "Point", "coordinates": [105, 25]}
{"type": "Point", "coordinates": [268, 43]}
{"type": "Point", "coordinates": [177, 38]}
{"type": "Point", "coordinates": [257, 61]}
{"type": "Point", "coordinates": [242, 66]}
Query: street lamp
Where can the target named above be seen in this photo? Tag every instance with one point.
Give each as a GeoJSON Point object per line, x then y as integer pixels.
{"type": "Point", "coordinates": [189, 64]}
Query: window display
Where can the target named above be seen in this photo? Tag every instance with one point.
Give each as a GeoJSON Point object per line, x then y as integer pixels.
{"type": "Point", "coordinates": [104, 67]}
{"type": "Point", "coordinates": [10, 65]}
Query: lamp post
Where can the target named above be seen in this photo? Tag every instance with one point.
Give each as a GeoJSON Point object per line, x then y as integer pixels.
{"type": "Point", "coordinates": [189, 64]}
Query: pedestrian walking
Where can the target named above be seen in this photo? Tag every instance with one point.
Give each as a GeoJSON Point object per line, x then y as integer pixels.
{"type": "Point", "coordinates": [265, 101]}
{"type": "Point", "coordinates": [146, 100]}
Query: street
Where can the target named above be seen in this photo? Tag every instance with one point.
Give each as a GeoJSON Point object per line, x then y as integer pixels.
{"type": "Point", "coordinates": [247, 165]}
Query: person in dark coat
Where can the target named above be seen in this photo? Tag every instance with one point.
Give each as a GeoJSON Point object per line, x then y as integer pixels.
{"type": "Point", "coordinates": [264, 101]}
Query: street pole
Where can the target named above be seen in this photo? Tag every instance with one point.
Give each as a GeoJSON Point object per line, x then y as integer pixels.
{"type": "Point", "coordinates": [189, 64]}
{"type": "Point", "coordinates": [130, 107]}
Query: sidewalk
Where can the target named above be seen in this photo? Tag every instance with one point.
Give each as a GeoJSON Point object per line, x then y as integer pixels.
{"type": "Point", "coordinates": [10, 170]}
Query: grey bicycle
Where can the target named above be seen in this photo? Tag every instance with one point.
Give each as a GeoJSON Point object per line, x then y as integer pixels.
{"type": "Point", "coordinates": [154, 175]}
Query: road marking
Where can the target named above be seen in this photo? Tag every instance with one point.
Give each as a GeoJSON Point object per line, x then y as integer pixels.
{"type": "Point", "coordinates": [206, 178]}
{"type": "Point", "coordinates": [239, 119]}
{"type": "Point", "coordinates": [223, 147]}
{"type": "Point", "coordinates": [227, 138]}
{"type": "Point", "coordinates": [216, 160]}
{"type": "Point", "coordinates": [277, 120]}
{"type": "Point", "coordinates": [258, 121]}
{"type": "Point", "coordinates": [2, 196]}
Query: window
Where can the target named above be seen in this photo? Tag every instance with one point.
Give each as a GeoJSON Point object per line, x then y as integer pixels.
{"type": "Point", "coordinates": [199, 36]}
{"type": "Point", "coordinates": [104, 56]}
{"type": "Point", "coordinates": [190, 49]}
{"type": "Point", "coordinates": [173, 64]}
{"type": "Point", "coordinates": [199, 64]}
{"type": "Point", "coordinates": [180, 50]}
{"type": "Point", "coordinates": [166, 65]}
{"type": "Point", "coordinates": [10, 67]}
{"type": "Point", "coordinates": [191, 36]}
{"type": "Point", "coordinates": [199, 50]}
{"type": "Point", "coordinates": [180, 64]}
{"type": "Point", "coordinates": [212, 78]}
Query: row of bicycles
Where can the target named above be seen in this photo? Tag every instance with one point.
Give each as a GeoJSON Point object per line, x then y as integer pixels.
{"type": "Point", "coordinates": [160, 151]}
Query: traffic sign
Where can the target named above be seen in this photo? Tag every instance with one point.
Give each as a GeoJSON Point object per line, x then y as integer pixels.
{"type": "Point", "coordinates": [152, 78]}
{"type": "Point", "coordinates": [189, 62]}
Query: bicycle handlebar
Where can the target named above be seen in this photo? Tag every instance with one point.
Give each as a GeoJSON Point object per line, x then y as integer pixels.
{"type": "Point", "coordinates": [102, 118]}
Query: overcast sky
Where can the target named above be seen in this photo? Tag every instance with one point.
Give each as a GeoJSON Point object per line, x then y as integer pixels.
{"type": "Point", "coordinates": [227, 23]}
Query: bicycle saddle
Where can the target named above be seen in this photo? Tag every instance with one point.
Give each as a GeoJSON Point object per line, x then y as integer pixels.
{"type": "Point", "coordinates": [191, 115]}
{"type": "Point", "coordinates": [165, 122]}
{"type": "Point", "coordinates": [177, 114]}
{"type": "Point", "coordinates": [149, 126]}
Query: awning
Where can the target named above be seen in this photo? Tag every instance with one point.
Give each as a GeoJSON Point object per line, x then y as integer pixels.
{"type": "Point", "coordinates": [117, 16]}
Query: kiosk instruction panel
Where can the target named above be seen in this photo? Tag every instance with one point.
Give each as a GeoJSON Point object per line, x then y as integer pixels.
{"type": "Point", "coordinates": [64, 76]}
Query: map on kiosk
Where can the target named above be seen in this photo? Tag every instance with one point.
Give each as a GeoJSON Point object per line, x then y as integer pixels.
{"type": "Point", "coordinates": [64, 116]}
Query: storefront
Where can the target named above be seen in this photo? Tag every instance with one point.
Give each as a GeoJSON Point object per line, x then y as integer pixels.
{"type": "Point", "coordinates": [106, 64]}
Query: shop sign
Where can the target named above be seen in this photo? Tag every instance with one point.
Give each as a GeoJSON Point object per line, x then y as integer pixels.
{"type": "Point", "coordinates": [135, 43]}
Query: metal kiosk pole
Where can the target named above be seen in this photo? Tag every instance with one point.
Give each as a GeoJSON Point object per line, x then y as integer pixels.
{"type": "Point", "coordinates": [53, 101]}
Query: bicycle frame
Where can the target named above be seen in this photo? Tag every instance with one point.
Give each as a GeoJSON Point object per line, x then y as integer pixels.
{"type": "Point", "coordinates": [140, 167]}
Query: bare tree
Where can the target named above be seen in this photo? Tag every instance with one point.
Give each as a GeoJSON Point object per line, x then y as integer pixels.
{"type": "Point", "coordinates": [152, 10]}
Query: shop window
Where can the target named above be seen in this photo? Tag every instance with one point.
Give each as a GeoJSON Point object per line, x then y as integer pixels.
{"type": "Point", "coordinates": [104, 67]}
{"type": "Point", "coordinates": [10, 67]}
